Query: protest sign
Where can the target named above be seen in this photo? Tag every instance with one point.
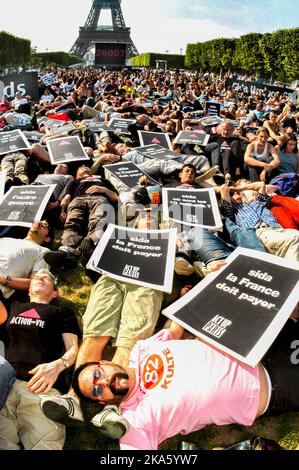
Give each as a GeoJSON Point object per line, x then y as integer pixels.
{"type": "Point", "coordinates": [50, 123]}
{"type": "Point", "coordinates": [242, 308]}
{"type": "Point", "coordinates": [62, 129]}
{"type": "Point", "coordinates": [211, 121]}
{"type": "Point", "coordinates": [2, 183]}
{"type": "Point", "coordinates": [33, 136]}
{"type": "Point", "coordinates": [156, 151]}
{"type": "Point", "coordinates": [252, 88]}
{"type": "Point", "coordinates": [22, 205]}
{"type": "Point", "coordinates": [66, 149]}
{"type": "Point", "coordinates": [25, 82]}
{"type": "Point", "coordinates": [128, 173]}
{"type": "Point", "coordinates": [120, 126]}
{"type": "Point", "coordinates": [160, 138]}
{"type": "Point", "coordinates": [192, 137]}
{"type": "Point", "coordinates": [98, 126]}
{"type": "Point", "coordinates": [13, 141]}
{"type": "Point", "coordinates": [141, 257]}
{"type": "Point", "coordinates": [195, 207]}
{"type": "Point", "coordinates": [213, 109]}
{"type": "Point", "coordinates": [48, 79]}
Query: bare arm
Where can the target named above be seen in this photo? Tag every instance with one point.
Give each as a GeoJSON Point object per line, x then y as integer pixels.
{"type": "Point", "coordinates": [16, 283]}
{"type": "Point", "coordinates": [250, 160]}
{"type": "Point", "coordinates": [45, 375]}
{"type": "Point", "coordinates": [3, 313]}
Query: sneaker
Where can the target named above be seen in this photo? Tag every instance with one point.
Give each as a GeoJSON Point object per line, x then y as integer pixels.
{"type": "Point", "coordinates": [60, 259]}
{"type": "Point", "coordinates": [87, 248]}
{"type": "Point", "coordinates": [228, 179]}
{"type": "Point", "coordinates": [183, 267]}
{"type": "Point", "coordinates": [110, 422]}
{"type": "Point", "coordinates": [63, 409]}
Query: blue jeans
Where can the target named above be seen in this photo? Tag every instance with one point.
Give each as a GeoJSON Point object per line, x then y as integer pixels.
{"type": "Point", "coordinates": [7, 378]}
{"type": "Point", "coordinates": [207, 245]}
{"type": "Point", "coordinates": [244, 237]}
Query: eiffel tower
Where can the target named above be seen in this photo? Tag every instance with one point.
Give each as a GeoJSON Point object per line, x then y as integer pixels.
{"type": "Point", "coordinates": [92, 33]}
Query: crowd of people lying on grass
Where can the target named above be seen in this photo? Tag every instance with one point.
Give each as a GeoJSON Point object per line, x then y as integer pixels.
{"type": "Point", "coordinates": [251, 161]}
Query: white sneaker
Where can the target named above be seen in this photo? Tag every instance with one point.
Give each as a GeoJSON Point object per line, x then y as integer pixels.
{"type": "Point", "coordinates": [110, 422]}
{"type": "Point", "coordinates": [63, 409]}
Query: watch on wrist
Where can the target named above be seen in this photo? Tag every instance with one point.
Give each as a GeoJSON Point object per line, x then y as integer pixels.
{"type": "Point", "coordinates": [7, 280]}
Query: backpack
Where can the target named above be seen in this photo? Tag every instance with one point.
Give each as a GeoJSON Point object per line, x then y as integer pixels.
{"type": "Point", "coordinates": [287, 184]}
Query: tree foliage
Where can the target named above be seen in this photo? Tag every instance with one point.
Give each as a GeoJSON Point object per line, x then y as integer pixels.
{"type": "Point", "coordinates": [149, 60]}
{"type": "Point", "coordinates": [14, 51]}
{"type": "Point", "coordinates": [270, 55]}
{"type": "Point", "coordinates": [60, 58]}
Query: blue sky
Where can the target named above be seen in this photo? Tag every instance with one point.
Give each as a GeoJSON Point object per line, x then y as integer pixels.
{"type": "Point", "coordinates": [156, 25]}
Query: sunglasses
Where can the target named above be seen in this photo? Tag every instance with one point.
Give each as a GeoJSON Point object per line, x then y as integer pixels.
{"type": "Point", "coordinates": [97, 390]}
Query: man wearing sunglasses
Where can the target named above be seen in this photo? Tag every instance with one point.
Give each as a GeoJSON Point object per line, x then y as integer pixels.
{"type": "Point", "coordinates": [173, 387]}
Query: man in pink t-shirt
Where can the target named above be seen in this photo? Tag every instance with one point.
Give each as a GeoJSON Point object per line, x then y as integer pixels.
{"type": "Point", "coordinates": [173, 387]}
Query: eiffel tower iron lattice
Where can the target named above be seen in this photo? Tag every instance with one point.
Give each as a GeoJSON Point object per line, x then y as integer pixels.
{"type": "Point", "coordinates": [92, 33]}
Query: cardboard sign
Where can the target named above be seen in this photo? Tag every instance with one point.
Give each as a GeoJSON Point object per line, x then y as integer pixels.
{"type": "Point", "coordinates": [128, 173]}
{"type": "Point", "coordinates": [242, 308]}
{"type": "Point", "coordinates": [62, 129]}
{"type": "Point", "coordinates": [50, 123]}
{"type": "Point", "coordinates": [159, 138]}
{"type": "Point", "coordinates": [120, 126]}
{"type": "Point", "coordinates": [211, 121]}
{"type": "Point", "coordinates": [22, 205]}
{"type": "Point", "coordinates": [256, 87]}
{"type": "Point", "coordinates": [25, 82]}
{"type": "Point", "coordinates": [213, 109]}
{"type": "Point", "coordinates": [33, 136]}
{"type": "Point", "coordinates": [195, 207]}
{"type": "Point", "coordinates": [13, 141]}
{"type": "Point", "coordinates": [48, 79]}
{"type": "Point", "coordinates": [156, 151]}
{"type": "Point", "coordinates": [66, 149]}
{"type": "Point", "coordinates": [98, 127]}
{"type": "Point", "coordinates": [192, 137]}
{"type": "Point", "coordinates": [141, 257]}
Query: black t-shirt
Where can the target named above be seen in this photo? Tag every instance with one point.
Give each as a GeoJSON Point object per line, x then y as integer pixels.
{"type": "Point", "coordinates": [79, 187]}
{"type": "Point", "coordinates": [35, 335]}
{"type": "Point", "coordinates": [223, 142]}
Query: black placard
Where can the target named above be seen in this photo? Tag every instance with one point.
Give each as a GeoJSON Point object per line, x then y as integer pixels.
{"type": "Point", "coordinates": [241, 308]}
{"type": "Point", "coordinates": [120, 126]}
{"type": "Point", "coordinates": [139, 257]}
{"type": "Point", "coordinates": [66, 149]}
{"type": "Point", "coordinates": [256, 87]}
{"type": "Point", "coordinates": [22, 205]}
{"type": "Point", "coordinates": [33, 136]}
{"type": "Point", "coordinates": [51, 123]}
{"type": "Point", "coordinates": [156, 151]}
{"type": "Point", "coordinates": [13, 141]}
{"type": "Point", "coordinates": [128, 173]}
{"type": "Point", "coordinates": [192, 207]}
{"type": "Point", "coordinates": [25, 82]}
{"type": "Point", "coordinates": [192, 137]}
{"type": "Point", "coordinates": [211, 121]}
{"type": "Point", "coordinates": [159, 138]}
{"type": "Point", "coordinates": [213, 109]}
{"type": "Point", "coordinates": [110, 54]}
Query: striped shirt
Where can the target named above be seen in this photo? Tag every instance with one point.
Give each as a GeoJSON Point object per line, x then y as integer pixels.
{"type": "Point", "coordinates": [250, 215]}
